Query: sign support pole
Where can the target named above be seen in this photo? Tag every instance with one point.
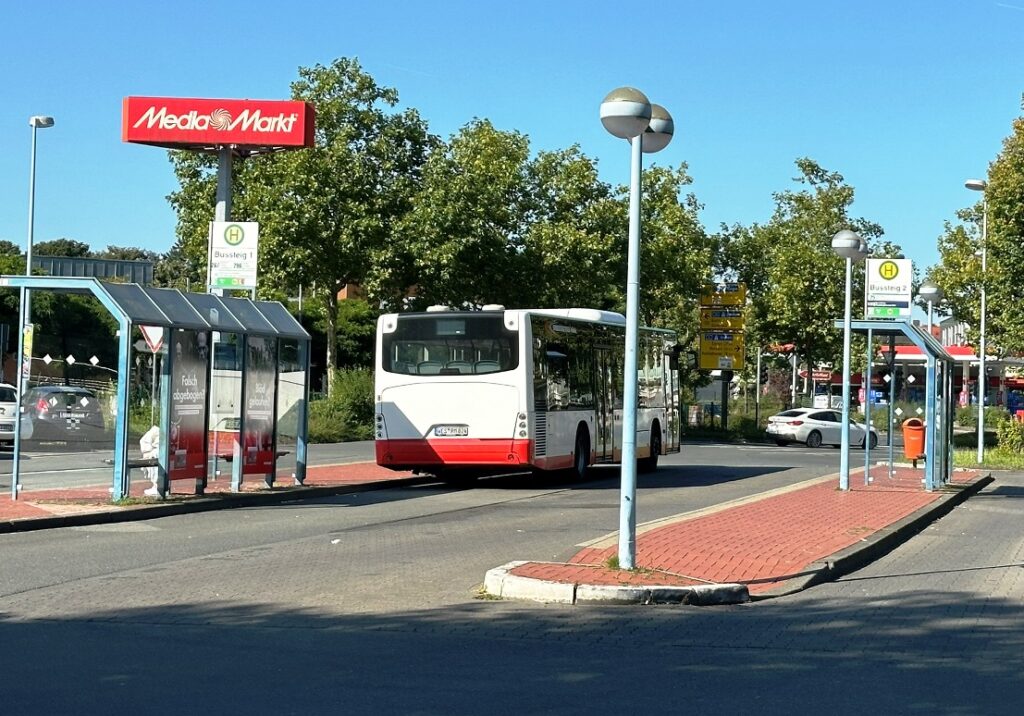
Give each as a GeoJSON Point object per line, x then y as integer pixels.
{"type": "Point", "coordinates": [757, 394]}
{"type": "Point", "coordinates": [222, 210]}
{"type": "Point", "coordinates": [892, 397]}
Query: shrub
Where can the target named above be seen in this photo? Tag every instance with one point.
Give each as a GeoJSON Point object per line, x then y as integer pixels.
{"type": "Point", "coordinates": [347, 414]}
{"type": "Point", "coordinates": [1011, 436]}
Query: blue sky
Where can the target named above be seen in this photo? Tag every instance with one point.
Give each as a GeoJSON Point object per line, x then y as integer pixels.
{"type": "Point", "coordinates": [905, 99]}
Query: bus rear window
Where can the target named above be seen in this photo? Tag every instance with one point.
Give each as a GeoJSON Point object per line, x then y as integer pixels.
{"type": "Point", "coordinates": [450, 345]}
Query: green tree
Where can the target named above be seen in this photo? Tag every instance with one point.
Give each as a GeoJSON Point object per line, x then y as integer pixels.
{"type": "Point", "coordinates": [1004, 275]}
{"type": "Point", "coordinates": [193, 202]}
{"type": "Point", "coordinates": [62, 247]}
{"type": "Point", "coordinates": [128, 253]}
{"type": "Point", "coordinates": [958, 272]}
{"type": "Point", "coordinates": [796, 281]}
{"type": "Point", "coordinates": [327, 213]}
{"type": "Point", "coordinates": [677, 255]}
{"type": "Point", "coordinates": [574, 230]}
{"type": "Point", "coordinates": [464, 235]}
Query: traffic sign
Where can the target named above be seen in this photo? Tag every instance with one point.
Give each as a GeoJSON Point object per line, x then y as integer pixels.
{"type": "Point", "coordinates": [232, 254]}
{"type": "Point", "coordinates": [730, 319]}
{"type": "Point", "coordinates": [724, 294]}
{"type": "Point", "coordinates": [888, 291]}
{"type": "Point", "coordinates": [720, 350]}
{"type": "Point", "coordinates": [154, 336]}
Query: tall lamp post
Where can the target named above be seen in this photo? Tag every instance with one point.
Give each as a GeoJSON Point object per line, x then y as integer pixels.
{"type": "Point", "coordinates": [36, 122]}
{"type": "Point", "coordinates": [851, 247]}
{"type": "Point", "coordinates": [981, 185]}
{"type": "Point", "coordinates": [25, 308]}
{"type": "Point", "coordinates": [628, 114]}
{"type": "Point", "coordinates": [931, 294]}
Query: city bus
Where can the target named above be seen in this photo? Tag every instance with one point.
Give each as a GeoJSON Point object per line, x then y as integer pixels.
{"type": "Point", "coordinates": [493, 391]}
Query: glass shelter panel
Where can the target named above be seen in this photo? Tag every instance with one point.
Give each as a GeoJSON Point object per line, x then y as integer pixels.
{"type": "Point", "coordinates": [290, 394]}
{"type": "Point", "coordinates": [68, 403]}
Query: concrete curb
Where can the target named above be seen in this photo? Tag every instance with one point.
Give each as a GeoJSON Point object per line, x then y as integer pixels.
{"type": "Point", "coordinates": [500, 582]}
{"type": "Point", "coordinates": [880, 543]}
{"type": "Point", "coordinates": [206, 503]}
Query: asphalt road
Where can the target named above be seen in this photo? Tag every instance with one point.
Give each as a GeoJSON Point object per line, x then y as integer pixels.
{"type": "Point", "coordinates": [365, 604]}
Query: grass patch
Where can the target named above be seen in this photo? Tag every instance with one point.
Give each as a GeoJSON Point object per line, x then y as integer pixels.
{"type": "Point", "coordinates": [995, 459]}
{"type": "Point", "coordinates": [486, 596]}
{"type": "Point", "coordinates": [133, 501]}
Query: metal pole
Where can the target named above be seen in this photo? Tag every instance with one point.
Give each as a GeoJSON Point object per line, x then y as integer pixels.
{"type": "Point", "coordinates": [26, 298]}
{"type": "Point", "coordinates": [222, 210]}
{"type": "Point", "coordinates": [892, 397]}
{"type": "Point", "coordinates": [152, 389]}
{"type": "Point", "coordinates": [24, 319]}
{"type": "Point", "coordinates": [929, 318]}
{"type": "Point", "coordinates": [757, 395]}
{"type": "Point", "coordinates": [627, 508]}
{"type": "Point", "coordinates": [844, 452]}
{"type": "Point", "coordinates": [795, 361]}
{"type": "Point", "coordinates": [866, 385]}
{"type": "Point", "coordinates": [982, 378]}
{"type": "Point", "coordinates": [929, 415]}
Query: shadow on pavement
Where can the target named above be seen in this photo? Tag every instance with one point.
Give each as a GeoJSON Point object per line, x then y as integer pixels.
{"type": "Point", "coordinates": [787, 656]}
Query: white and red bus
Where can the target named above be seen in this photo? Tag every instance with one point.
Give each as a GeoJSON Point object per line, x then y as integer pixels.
{"type": "Point", "coordinates": [513, 390]}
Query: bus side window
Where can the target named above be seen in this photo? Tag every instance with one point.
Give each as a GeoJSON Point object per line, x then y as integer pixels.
{"type": "Point", "coordinates": [558, 376]}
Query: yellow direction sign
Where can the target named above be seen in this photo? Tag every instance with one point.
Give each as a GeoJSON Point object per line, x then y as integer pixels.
{"type": "Point", "coordinates": [723, 294]}
{"type": "Point", "coordinates": [721, 351]}
{"type": "Point", "coordinates": [727, 319]}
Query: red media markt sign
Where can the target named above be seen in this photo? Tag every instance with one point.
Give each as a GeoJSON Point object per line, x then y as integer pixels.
{"type": "Point", "coordinates": [208, 123]}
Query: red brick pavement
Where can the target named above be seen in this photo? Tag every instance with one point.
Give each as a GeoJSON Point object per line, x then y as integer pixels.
{"type": "Point", "coordinates": [761, 543]}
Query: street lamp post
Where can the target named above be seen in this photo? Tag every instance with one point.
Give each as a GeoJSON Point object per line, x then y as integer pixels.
{"type": "Point", "coordinates": [25, 308]}
{"type": "Point", "coordinates": [628, 114]}
{"type": "Point", "coordinates": [36, 122]}
{"type": "Point", "coordinates": [931, 294]}
{"type": "Point", "coordinates": [851, 247]}
{"type": "Point", "coordinates": [981, 185]}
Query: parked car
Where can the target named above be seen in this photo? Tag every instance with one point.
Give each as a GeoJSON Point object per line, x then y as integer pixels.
{"type": "Point", "coordinates": [63, 413]}
{"type": "Point", "coordinates": [815, 427]}
{"type": "Point", "coordinates": [8, 412]}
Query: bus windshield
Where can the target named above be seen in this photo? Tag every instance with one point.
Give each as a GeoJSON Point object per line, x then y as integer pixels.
{"type": "Point", "coordinates": [450, 344]}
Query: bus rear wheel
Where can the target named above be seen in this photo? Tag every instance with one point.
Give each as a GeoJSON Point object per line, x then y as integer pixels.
{"type": "Point", "coordinates": [580, 455]}
{"type": "Point", "coordinates": [650, 463]}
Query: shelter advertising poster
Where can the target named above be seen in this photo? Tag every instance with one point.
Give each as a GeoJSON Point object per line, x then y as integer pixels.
{"type": "Point", "coordinates": [258, 418]}
{"type": "Point", "coordinates": [188, 445]}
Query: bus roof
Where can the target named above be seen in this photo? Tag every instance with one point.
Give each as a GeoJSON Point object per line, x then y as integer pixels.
{"type": "Point", "coordinates": [591, 315]}
{"type": "Point", "coordinates": [588, 315]}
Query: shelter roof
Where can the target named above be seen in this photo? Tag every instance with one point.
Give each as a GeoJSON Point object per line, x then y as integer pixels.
{"type": "Point", "coordinates": [903, 333]}
{"type": "Point", "coordinates": [171, 308]}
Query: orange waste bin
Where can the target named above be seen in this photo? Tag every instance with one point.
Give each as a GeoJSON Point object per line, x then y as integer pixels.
{"type": "Point", "coordinates": [913, 439]}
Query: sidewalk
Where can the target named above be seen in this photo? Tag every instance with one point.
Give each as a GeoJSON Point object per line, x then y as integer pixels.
{"type": "Point", "coordinates": [768, 545]}
{"type": "Point", "coordinates": [43, 509]}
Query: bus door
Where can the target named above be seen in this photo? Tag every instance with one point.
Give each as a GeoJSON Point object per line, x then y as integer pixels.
{"type": "Point", "coordinates": [670, 439]}
{"type": "Point", "coordinates": [606, 390]}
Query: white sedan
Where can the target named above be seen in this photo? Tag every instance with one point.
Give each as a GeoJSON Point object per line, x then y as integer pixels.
{"type": "Point", "coordinates": [815, 427]}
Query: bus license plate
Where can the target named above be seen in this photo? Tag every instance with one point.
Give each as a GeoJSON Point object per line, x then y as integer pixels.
{"type": "Point", "coordinates": [451, 430]}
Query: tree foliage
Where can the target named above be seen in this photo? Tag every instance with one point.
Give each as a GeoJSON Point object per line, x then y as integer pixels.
{"type": "Point", "coordinates": [62, 247]}
{"type": "Point", "coordinates": [1004, 282]}
{"type": "Point", "coordinates": [796, 281]}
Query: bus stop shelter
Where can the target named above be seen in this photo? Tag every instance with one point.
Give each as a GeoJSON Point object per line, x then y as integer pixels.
{"type": "Point", "coordinates": [192, 324]}
{"type": "Point", "coordinates": [940, 401]}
